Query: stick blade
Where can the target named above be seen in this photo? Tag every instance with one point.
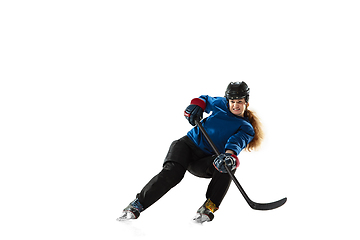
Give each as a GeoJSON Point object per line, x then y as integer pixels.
{"type": "Point", "coordinates": [268, 206]}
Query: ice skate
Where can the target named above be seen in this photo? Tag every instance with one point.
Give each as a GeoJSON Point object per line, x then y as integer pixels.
{"type": "Point", "coordinates": [201, 218]}
{"type": "Point", "coordinates": [206, 212]}
{"type": "Point", "coordinates": [132, 211]}
{"type": "Point", "coordinates": [126, 215]}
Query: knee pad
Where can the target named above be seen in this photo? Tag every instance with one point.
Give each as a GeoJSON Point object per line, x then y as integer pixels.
{"type": "Point", "coordinates": [172, 173]}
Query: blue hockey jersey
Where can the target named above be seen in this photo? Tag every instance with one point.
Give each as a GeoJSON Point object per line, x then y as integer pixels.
{"type": "Point", "coordinates": [227, 131]}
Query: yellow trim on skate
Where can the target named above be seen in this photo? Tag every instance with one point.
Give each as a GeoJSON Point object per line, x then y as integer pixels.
{"type": "Point", "coordinates": [211, 206]}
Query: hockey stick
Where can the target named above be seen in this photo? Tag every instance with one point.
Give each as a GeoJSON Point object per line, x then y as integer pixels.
{"type": "Point", "coordinates": [253, 205]}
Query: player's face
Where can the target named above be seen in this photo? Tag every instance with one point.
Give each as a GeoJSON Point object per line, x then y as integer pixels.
{"type": "Point", "coordinates": [237, 107]}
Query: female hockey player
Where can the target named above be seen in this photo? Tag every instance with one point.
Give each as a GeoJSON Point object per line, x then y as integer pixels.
{"type": "Point", "coordinates": [231, 126]}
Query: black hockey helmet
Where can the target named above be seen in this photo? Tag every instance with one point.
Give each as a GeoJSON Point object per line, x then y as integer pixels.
{"type": "Point", "coordinates": [237, 90]}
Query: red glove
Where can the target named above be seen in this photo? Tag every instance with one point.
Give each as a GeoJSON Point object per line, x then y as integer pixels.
{"type": "Point", "coordinates": [195, 110]}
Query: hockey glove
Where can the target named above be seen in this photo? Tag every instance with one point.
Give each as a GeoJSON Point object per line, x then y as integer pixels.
{"type": "Point", "coordinates": [229, 159]}
{"type": "Point", "coordinates": [195, 110]}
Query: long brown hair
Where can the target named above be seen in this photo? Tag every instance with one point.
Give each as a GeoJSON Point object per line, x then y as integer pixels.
{"type": "Point", "coordinates": [259, 134]}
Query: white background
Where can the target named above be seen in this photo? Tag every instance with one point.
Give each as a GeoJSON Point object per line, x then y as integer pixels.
{"type": "Point", "coordinates": [92, 94]}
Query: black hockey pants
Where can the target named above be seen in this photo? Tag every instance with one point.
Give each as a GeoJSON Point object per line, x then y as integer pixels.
{"type": "Point", "coordinates": [184, 155]}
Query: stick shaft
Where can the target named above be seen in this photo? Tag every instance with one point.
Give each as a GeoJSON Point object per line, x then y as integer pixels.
{"type": "Point", "coordinates": [198, 123]}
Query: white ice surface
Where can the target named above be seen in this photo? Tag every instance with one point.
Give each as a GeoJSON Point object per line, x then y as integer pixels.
{"type": "Point", "coordinates": [92, 94]}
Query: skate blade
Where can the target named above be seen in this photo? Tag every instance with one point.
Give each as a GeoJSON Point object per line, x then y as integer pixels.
{"type": "Point", "coordinates": [126, 216]}
{"type": "Point", "coordinates": [201, 218]}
